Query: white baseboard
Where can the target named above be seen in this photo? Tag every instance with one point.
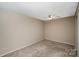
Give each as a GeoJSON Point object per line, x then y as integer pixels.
{"type": "Point", "coordinates": [29, 45]}
{"type": "Point", "coordinates": [19, 48]}
{"type": "Point", "coordinates": [62, 42]}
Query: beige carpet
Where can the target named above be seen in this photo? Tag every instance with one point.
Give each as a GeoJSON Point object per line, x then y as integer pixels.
{"type": "Point", "coordinates": [44, 48]}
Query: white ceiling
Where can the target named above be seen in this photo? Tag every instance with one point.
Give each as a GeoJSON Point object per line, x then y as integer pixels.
{"type": "Point", "coordinates": [41, 10]}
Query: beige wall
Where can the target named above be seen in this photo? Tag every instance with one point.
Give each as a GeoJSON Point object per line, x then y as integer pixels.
{"type": "Point", "coordinates": [78, 29]}
{"type": "Point", "coordinates": [76, 32]}
{"type": "Point", "coordinates": [18, 31]}
{"type": "Point", "coordinates": [61, 30]}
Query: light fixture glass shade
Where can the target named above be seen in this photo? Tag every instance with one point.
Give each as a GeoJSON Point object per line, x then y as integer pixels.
{"type": "Point", "coordinates": [50, 17]}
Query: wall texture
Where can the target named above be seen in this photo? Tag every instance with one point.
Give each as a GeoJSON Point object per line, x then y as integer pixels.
{"type": "Point", "coordinates": [61, 30]}
{"type": "Point", "coordinates": [78, 29]}
{"type": "Point", "coordinates": [76, 32]}
{"type": "Point", "coordinates": [17, 31]}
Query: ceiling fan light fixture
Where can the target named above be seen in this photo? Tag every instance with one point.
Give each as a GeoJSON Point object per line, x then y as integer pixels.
{"type": "Point", "coordinates": [50, 17]}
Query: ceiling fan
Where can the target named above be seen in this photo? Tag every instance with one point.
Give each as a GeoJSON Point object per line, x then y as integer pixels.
{"type": "Point", "coordinates": [50, 17]}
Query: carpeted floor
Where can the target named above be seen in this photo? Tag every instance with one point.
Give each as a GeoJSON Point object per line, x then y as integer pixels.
{"type": "Point", "coordinates": [45, 48]}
